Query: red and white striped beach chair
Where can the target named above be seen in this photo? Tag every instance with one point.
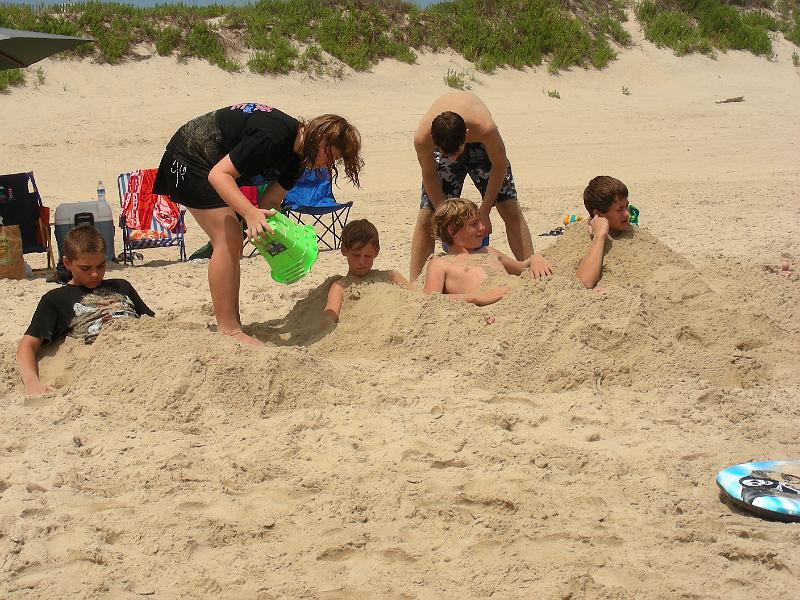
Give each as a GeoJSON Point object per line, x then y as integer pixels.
{"type": "Point", "coordinates": [148, 220]}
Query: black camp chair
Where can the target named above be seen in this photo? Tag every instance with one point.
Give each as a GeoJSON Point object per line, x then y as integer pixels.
{"type": "Point", "coordinates": [21, 204]}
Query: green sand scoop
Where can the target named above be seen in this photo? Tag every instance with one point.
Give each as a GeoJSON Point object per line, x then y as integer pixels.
{"type": "Point", "coordinates": [291, 249]}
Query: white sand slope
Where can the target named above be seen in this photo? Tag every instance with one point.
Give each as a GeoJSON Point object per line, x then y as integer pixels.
{"type": "Point", "coordinates": [568, 450]}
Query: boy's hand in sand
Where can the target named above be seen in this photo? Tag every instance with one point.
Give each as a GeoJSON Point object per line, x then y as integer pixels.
{"type": "Point", "coordinates": [540, 267]}
{"type": "Point", "coordinates": [598, 226]}
{"type": "Point", "coordinates": [491, 296]}
{"type": "Point", "coordinates": [329, 319]}
{"type": "Point", "coordinates": [257, 221]}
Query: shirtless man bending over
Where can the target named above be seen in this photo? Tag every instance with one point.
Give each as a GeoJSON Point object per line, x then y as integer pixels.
{"type": "Point", "coordinates": [458, 224]}
{"type": "Point", "coordinates": [458, 137]}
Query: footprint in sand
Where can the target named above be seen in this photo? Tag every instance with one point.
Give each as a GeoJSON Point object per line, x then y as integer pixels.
{"type": "Point", "coordinates": [30, 513]}
{"type": "Point", "coordinates": [39, 401]}
{"type": "Point", "coordinates": [342, 551]}
{"type": "Point", "coordinates": [396, 554]}
{"type": "Point", "coordinates": [449, 463]}
{"type": "Point", "coordinates": [33, 488]}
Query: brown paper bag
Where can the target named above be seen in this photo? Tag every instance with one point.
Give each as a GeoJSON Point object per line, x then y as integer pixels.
{"type": "Point", "coordinates": [12, 264]}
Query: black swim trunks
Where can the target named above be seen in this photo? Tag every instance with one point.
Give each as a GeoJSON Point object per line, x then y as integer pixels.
{"type": "Point", "coordinates": [473, 161]}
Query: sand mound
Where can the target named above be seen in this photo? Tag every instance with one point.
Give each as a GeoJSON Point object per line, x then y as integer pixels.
{"type": "Point", "coordinates": [656, 320]}
{"type": "Point", "coordinates": [630, 260]}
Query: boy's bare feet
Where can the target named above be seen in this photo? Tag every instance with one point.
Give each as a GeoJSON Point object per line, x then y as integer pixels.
{"type": "Point", "coordinates": [241, 337]}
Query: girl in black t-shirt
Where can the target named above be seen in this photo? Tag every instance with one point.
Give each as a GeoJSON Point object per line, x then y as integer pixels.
{"type": "Point", "coordinates": [246, 144]}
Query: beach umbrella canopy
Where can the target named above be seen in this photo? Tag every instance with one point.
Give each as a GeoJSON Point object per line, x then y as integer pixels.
{"type": "Point", "coordinates": [22, 48]}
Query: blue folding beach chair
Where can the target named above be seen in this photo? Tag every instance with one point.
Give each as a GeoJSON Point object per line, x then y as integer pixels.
{"type": "Point", "coordinates": [164, 238]}
{"type": "Point", "coordinates": [311, 202]}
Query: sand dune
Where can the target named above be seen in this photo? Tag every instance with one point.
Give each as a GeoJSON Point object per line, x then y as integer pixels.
{"type": "Point", "coordinates": [566, 450]}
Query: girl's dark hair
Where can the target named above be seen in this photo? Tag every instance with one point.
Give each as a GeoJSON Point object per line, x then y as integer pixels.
{"type": "Point", "coordinates": [333, 131]}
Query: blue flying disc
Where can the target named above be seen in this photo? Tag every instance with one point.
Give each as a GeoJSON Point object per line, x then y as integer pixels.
{"type": "Point", "coordinates": [769, 489]}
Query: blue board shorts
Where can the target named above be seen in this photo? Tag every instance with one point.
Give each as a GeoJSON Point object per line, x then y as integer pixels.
{"type": "Point", "coordinates": [473, 161]}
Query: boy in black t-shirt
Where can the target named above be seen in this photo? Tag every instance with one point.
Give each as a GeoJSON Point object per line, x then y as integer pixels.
{"type": "Point", "coordinates": [80, 308]}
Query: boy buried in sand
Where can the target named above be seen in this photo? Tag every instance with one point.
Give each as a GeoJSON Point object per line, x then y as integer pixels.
{"type": "Point", "coordinates": [360, 245]}
{"type": "Point", "coordinates": [463, 271]}
{"type": "Point", "coordinates": [80, 308]}
{"type": "Point", "coordinates": [606, 199]}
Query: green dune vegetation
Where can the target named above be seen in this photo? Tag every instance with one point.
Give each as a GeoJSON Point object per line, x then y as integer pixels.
{"type": "Point", "coordinates": [321, 36]}
{"type": "Point", "coordinates": [706, 26]}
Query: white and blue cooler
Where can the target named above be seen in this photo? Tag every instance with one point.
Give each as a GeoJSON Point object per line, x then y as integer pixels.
{"type": "Point", "coordinates": [96, 212]}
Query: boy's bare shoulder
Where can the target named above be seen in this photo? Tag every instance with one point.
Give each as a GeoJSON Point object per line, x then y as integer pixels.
{"type": "Point", "coordinates": [441, 261]}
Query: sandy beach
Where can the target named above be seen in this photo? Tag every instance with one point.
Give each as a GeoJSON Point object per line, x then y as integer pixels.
{"type": "Point", "coordinates": [567, 450]}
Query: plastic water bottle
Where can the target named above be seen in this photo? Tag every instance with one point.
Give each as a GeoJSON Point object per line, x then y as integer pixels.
{"type": "Point", "coordinates": [101, 192]}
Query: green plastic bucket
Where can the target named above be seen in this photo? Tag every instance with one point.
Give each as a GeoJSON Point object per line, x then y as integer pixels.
{"type": "Point", "coordinates": [291, 250]}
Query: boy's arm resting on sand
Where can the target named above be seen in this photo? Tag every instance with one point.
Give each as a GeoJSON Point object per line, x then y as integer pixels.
{"type": "Point", "coordinates": [28, 369]}
{"type": "Point", "coordinates": [435, 284]}
{"type": "Point", "coordinates": [511, 265]}
{"type": "Point", "coordinates": [537, 265]}
{"type": "Point", "coordinates": [334, 304]}
{"type": "Point", "coordinates": [483, 298]}
{"type": "Point", "coordinates": [591, 266]}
